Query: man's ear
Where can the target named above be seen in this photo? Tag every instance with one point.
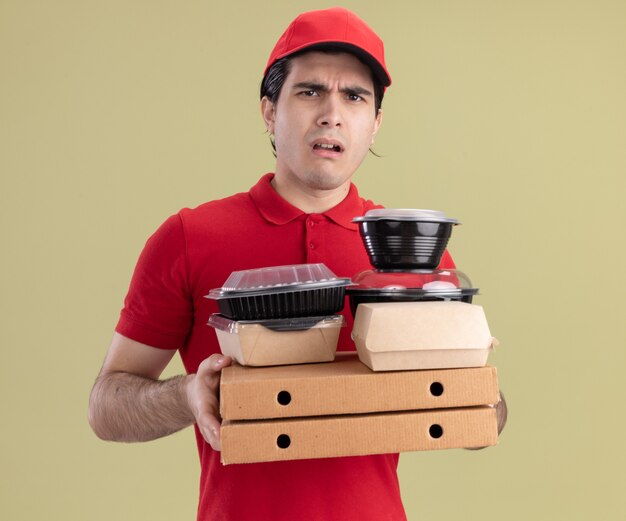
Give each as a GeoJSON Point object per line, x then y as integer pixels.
{"type": "Point", "coordinates": [268, 111]}
{"type": "Point", "coordinates": [377, 123]}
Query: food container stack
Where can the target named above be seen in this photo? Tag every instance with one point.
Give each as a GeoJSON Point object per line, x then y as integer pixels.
{"type": "Point", "coordinates": [409, 314]}
{"type": "Point", "coordinates": [419, 379]}
{"type": "Point", "coordinates": [280, 315]}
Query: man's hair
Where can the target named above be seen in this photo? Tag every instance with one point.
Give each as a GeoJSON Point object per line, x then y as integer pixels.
{"type": "Point", "coordinates": [277, 74]}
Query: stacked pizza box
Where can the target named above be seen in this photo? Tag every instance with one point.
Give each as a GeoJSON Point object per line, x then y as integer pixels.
{"type": "Point", "coordinates": [418, 381]}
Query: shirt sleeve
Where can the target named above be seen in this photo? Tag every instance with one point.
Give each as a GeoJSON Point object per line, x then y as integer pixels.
{"type": "Point", "coordinates": [158, 309]}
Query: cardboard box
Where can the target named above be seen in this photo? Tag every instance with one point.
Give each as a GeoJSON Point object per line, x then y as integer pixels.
{"type": "Point", "coordinates": [354, 435]}
{"type": "Point", "coordinates": [347, 386]}
{"type": "Point", "coordinates": [421, 335]}
{"type": "Point", "coordinates": [254, 344]}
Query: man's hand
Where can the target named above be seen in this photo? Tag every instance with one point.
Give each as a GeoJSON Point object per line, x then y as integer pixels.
{"type": "Point", "coordinates": [501, 414]}
{"type": "Point", "coordinates": [203, 397]}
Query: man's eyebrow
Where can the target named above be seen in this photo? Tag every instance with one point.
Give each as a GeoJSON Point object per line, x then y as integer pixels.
{"type": "Point", "coordinates": [320, 87]}
{"type": "Point", "coordinates": [311, 85]}
{"type": "Point", "coordinates": [361, 91]}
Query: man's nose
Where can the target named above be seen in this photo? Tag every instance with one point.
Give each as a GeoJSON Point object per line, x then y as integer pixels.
{"type": "Point", "coordinates": [330, 113]}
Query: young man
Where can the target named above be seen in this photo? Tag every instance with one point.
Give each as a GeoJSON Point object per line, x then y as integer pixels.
{"type": "Point", "coordinates": [321, 97]}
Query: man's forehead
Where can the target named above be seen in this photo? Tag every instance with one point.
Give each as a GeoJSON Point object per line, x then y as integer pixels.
{"type": "Point", "coordinates": [325, 67]}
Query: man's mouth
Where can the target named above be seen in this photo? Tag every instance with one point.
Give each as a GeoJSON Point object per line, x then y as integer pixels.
{"type": "Point", "coordinates": [324, 146]}
{"type": "Point", "coordinates": [327, 146]}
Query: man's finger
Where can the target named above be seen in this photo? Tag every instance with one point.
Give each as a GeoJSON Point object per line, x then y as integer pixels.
{"type": "Point", "coordinates": [214, 364]}
{"type": "Point", "coordinates": [209, 371]}
{"type": "Point", "coordinates": [209, 427]}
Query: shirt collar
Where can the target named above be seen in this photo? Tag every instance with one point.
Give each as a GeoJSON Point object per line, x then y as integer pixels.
{"type": "Point", "coordinates": [278, 211]}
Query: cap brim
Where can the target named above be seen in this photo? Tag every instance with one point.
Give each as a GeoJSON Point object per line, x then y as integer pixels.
{"type": "Point", "coordinates": [377, 69]}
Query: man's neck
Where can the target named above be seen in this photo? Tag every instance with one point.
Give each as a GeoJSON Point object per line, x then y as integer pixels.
{"type": "Point", "coordinates": [310, 200]}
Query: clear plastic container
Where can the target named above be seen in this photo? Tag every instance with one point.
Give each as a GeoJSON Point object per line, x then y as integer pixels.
{"type": "Point", "coordinates": [278, 342]}
{"type": "Point", "coordinates": [410, 286]}
{"type": "Point", "coordinates": [406, 214]}
{"type": "Point", "coordinates": [279, 324]}
{"type": "Point", "coordinates": [427, 280]}
{"type": "Point", "coordinates": [297, 290]}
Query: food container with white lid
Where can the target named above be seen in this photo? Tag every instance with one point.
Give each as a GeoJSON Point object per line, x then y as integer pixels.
{"type": "Point", "coordinates": [409, 286]}
{"type": "Point", "coordinates": [405, 238]}
{"type": "Point", "coordinates": [280, 341]}
{"type": "Point", "coordinates": [297, 290]}
{"type": "Point", "coordinates": [391, 336]}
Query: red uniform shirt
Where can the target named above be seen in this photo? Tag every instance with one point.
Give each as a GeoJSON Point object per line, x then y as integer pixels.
{"type": "Point", "coordinates": [195, 251]}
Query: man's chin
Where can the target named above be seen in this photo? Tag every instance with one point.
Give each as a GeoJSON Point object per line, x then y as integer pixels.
{"type": "Point", "coordinates": [322, 181]}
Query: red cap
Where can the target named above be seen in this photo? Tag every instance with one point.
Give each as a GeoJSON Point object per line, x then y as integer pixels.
{"type": "Point", "coordinates": [336, 28]}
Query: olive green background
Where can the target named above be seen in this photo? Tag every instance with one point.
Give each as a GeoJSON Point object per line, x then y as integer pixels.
{"type": "Point", "coordinates": [509, 115]}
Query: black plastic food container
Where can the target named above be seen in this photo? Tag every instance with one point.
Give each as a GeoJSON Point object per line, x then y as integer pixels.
{"type": "Point", "coordinates": [300, 290]}
{"type": "Point", "coordinates": [405, 239]}
{"type": "Point", "coordinates": [410, 286]}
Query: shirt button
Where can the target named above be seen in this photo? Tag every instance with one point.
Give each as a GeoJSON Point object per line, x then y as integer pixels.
{"type": "Point", "coordinates": [311, 245]}
{"type": "Point", "coordinates": [311, 223]}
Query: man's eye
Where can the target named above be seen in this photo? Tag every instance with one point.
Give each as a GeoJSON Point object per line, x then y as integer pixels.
{"type": "Point", "coordinates": [308, 93]}
{"type": "Point", "coordinates": [354, 97]}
